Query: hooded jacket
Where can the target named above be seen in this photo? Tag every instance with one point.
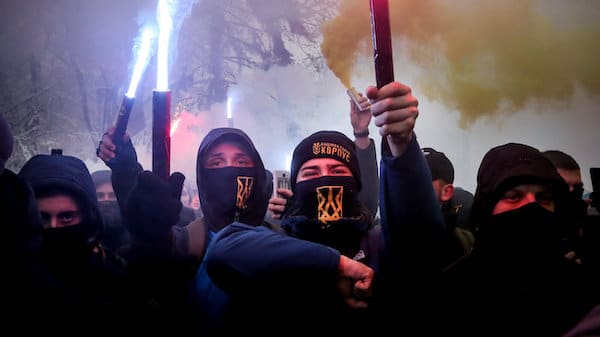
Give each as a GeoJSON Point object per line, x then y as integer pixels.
{"type": "Point", "coordinates": [506, 166]}
{"type": "Point", "coordinates": [69, 174]}
{"type": "Point", "coordinates": [89, 279]}
{"type": "Point", "coordinates": [257, 201]}
{"type": "Point", "coordinates": [516, 261]}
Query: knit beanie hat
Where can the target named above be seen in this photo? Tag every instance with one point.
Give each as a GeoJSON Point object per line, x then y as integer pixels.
{"type": "Point", "coordinates": [325, 144]}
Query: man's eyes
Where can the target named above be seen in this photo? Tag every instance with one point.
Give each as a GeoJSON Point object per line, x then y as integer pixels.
{"type": "Point", "coordinates": [342, 170]}
{"type": "Point", "coordinates": [309, 173]}
{"type": "Point", "coordinates": [215, 163]}
{"type": "Point", "coordinates": [66, 216]}
{"type": "Point", "coordinates": [63, 218]}
{"type": "Point", "coordinates": [238, 162]}
{"type": "Point", "coordinates": [245, 162]}
{"type": "Point", "coordinates": [513, 196]}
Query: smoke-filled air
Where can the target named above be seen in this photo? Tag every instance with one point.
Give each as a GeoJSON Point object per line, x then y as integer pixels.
{"type": "Point", "coordinates": [482, 58]}
{"type": "Point", "coordinates": [484, 72]}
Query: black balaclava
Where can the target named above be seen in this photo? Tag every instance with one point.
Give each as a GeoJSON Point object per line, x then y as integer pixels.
{"type": "Point", "coordinates": [231, 194]}
{"type": "Point", "coordinates": [526, 232]}
{"type": "Point", "coordinates": [531, 234]}
{"type": "Point", "coordinates": [50, 175]}
{"type": "Point", "coordinates": [327, 198]}
{"type": "Point", "coordinates": [115, 234]}
{"type": "Point", "coordinates": [326, 209]}
{"type": "Point", "coordinates": [111, 215]}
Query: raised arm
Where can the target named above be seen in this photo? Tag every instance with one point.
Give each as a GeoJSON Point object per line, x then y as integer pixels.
{"type": "Point", "coordinates": [123, 163]}
{"type": "Point", "coordinates": [366, 154]}
{"type": "Point", "coordinates": [411, 218]}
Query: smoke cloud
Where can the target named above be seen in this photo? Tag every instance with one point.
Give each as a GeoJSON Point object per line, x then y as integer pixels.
{"type": "Point", "coordinates": [482, 58]}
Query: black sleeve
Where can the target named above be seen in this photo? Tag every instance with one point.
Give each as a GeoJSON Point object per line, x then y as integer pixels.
{"type": "Point", "coordinates": [125, 169]}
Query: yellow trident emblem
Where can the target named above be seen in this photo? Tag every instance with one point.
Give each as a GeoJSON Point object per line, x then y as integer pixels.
{"type": "Point", "coordinates": [244, 187]}
{"type": "Point", "coordinates": [330, 203]}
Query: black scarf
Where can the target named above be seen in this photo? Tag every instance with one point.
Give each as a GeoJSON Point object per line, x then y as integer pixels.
{"type": "Point", "coordinates": [233, 194]}
{"type": "Point", "coordinates": [327, 199]}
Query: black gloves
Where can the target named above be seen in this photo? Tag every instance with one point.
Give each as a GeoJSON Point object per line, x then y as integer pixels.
{"type": "Point", "coordinates": [176, 181]}
{"type": "Point", "coordinates": [126, 156]}
{"type": "Point", "coordinates": [154, 205]}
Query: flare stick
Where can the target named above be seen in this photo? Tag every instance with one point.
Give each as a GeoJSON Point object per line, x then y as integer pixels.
{"type": "Point", "coordinates": [382, 42]}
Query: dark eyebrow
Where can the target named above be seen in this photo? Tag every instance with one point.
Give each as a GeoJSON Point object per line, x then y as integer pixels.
{"type": "Point", "coordinates": [219, 154]}
{"type": "Point", "coordinates": [46, 214]}
{"type": "Point", "coordinates": [242, 155]}
{"type": "Point", "coordinates": [336, 165]}
{"type": "Point", "coordinates": [67, 213]}
{"type": "Point", "coordinates": [313, 167]}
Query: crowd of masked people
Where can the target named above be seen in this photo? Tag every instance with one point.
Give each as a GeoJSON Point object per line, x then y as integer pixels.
{"type": "Point", "coordinates": [354, 246]}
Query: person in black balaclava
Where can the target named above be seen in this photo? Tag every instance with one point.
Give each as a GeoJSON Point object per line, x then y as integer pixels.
{"type": "Point", "coordinates": [314, 276]}
{"type": "Point", "coordinates": [521, 282]}
{"type": "Point", "coordinates": [325, 180]}
{"type": "Point", "coordinates": [114, 235]}
{"type": "Point", "coordinates": [231, 181]}
{"type": "Point", "coordinates": [232, 186]}
{"type": "Point", "coordinates": [162, 255]}
{"type": "Point", "coordinates": [230, 189]}
{"type": "Point", "coordinates": [66, 199]}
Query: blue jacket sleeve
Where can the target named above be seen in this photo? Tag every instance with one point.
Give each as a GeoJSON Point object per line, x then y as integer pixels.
{"type": "Point", "coordinates": [412, 222]}
{"type": "Point", "coordinates": [241, 256]}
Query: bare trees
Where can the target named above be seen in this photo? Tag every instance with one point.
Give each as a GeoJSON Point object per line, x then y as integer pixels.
{"type": "Point", "coordinates": [64, 62]}
{"type": "Point", "coordinates": [220, 37]}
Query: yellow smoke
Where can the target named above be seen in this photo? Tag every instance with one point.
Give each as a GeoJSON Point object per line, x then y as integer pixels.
{"type": "Point", "coordinates": [343, 36]}
{"type": "Point", "coordinates": [479, 57]}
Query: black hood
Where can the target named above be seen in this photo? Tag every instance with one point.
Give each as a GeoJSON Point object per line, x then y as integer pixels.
{"type": "Point", "coordinates": [506, 166]}
{"type": "Point", "coordinates": [67, 173]}
{"type": "Point", "coordinates": [258, 200]}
